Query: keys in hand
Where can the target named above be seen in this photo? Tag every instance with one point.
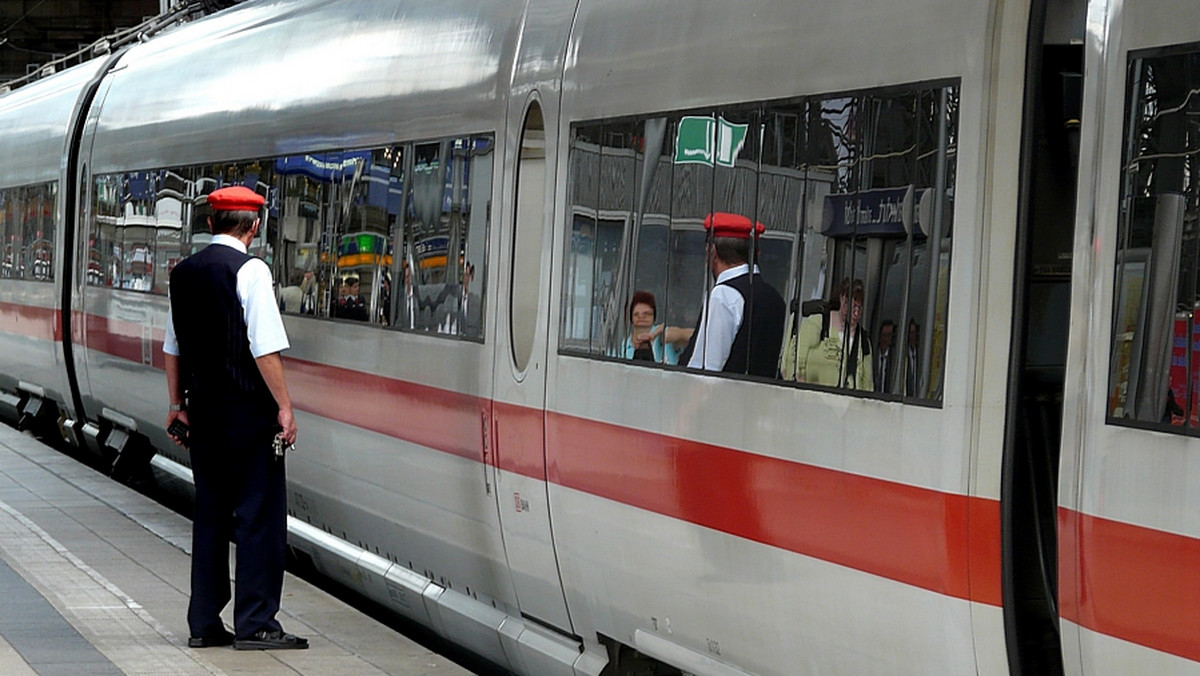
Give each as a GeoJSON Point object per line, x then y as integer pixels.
{"type": "Point", "coordinates": [281, 446]}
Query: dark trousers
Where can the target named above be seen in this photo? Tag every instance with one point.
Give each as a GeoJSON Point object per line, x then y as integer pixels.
{"type": "Point", "coordinates": [240, 495]}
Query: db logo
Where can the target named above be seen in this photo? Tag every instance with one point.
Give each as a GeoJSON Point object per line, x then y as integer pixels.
{"type": "Point", "coordinates": [521, 505]}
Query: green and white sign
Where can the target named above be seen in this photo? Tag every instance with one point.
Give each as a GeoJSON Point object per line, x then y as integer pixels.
{"type": "Point", "coordinates": [708, 140]}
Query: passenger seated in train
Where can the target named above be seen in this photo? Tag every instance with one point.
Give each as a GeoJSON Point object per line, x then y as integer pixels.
{"type": "Point", "coordinates": [383, 314]}
{"type": "Point", "coordinates": [350, 303]}
{"type": "Point", "coordinates": [410, 303]}
{"type": "Point", "coordinates": [912, 361]}
{"type": "Point", "coordinates": [459, 309]}
{"type": "Point", "coordinates": [648, 341]}
{"type": "Point", "coordinates": [723, 341]}
{"type": "Point", "coordinates": [884, 364]}
{"type": "Point", "coordinates": [470, 306]}
{"type": "Point", "coordinates": [819, 353]}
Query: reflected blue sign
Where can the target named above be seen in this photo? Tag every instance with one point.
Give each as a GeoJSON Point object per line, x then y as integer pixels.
{"type": "Point", "coordinates": [323, 166]}
{"type": "Point", "coordinates": [887, 212]}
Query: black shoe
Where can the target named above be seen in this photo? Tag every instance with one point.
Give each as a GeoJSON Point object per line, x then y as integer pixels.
{"type": "Point", "coordinates": [224, 638]}
{"type": "Point", "coordinates": [267, 639]}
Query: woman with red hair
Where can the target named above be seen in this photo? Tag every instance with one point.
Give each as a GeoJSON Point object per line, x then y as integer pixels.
{"type": "Point", "coordinates": [645, 340]}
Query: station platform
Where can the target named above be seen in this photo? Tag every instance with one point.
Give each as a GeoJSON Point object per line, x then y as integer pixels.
{"type": "Point", "coordinates": [94, 581]}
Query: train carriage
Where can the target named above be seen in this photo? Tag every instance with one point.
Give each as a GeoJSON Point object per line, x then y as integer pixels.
{"type": "Point", "coordinates": [1127, 518]}
{"type": "Point", "coordinates": [463, 199]}
{"type": "Point", "coordinates": [35, 124]}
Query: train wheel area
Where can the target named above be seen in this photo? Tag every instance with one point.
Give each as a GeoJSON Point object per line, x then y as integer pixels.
{"type": "Point", "coordinates": [95, 580]}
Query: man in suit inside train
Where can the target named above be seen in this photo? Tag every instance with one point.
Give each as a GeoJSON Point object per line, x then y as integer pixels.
{"type": "Point", "coordinates": [883, 356]}
{"type": "Point", "coordinates": [225, 381]}
{"type": "Point", "coordinates": [912, 365]}
{"type": "Point", "coordinates": [723, 339]}
{"type": "Point", "coordinates": [470, 310]}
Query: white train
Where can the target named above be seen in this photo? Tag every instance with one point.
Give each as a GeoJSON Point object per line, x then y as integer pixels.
{"type": "Point", "coordinates": [463, 198]}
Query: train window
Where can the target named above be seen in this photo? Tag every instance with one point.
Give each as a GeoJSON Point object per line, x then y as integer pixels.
{"type": "Point", "coordinates": [27, 232]}
{"type": "Point", "coordinates": [12, 219]}
{"type": "Point", "coordinates": [443, 245]}
{"type": "Point", "coordinates": [853, 193]}
{"type": "Point", "coordinates": [329, 228]}
{"type": "Point", "coordinates": [1155, 358]}
{"type": "Point", "coordinates": [104, 243]}
{"type": "Point", "coordinates": [10, 210]}
{"type": "Point", "coordinates": [171, 202]}
{"type": "Point", "coordinates": [526, 261]}
{"type": "Point", "coordinates": [600, 224]}
{"type": "Point", "coordinates": [39, 231]}
{"type": "Point", "coordinates": [356, 237]}
{"type": "Point", "coordinates": [875, 163]}
{"type": "Point", "coordinates": [144, 222]}
{"type": "Point", "coordinates": [304, 203]}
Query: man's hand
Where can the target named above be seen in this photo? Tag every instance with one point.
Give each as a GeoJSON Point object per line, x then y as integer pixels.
{"type": "Point", "coordinates": [182, 417]}
{"type": "Point", "coordinates": [287, 423]}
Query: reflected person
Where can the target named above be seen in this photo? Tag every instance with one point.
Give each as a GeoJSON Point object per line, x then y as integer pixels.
{"type": "Point", "coordinates": [291, 296]}
{"type": "Point", "coordinates": [723, 340]}
{"type": "Point", "coordinates": [912, 362]}
{"type": "Point", "coordinates": [646, 341]}
{"type": "Point", "coordinates": [410, 305]}
{"type": "Point", "coordinates": [883, 357]}
{"type": "Point", "coordinates": [469, 318]}
{"type": "Point", "coordinates": [831, 348]}
{"type": "Point", "coordinates": [350, 303]}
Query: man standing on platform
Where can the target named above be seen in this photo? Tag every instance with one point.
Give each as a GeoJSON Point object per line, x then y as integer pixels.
{"type": "Point", "coordinates": [225, 381]}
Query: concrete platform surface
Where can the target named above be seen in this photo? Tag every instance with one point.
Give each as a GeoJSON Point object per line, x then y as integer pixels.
{"type": "Point", "coordinates": [94, 581]}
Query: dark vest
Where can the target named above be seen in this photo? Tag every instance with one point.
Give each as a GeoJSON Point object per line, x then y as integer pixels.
{"type": "Point", "coordinates": [756, 345]}
{"type": "Point", "coordinates": [218, 371]}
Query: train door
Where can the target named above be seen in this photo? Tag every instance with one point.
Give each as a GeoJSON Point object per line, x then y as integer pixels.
{"type": "Point", "coordinates": [85, 256]}
{"type": "Point", "coordinates": [1041, 314]}
{"type": "Point", "coordinates": [518, 448]}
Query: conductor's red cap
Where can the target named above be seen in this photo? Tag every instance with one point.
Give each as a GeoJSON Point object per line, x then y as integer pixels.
{"type": "Point", "coordinates": [235, 198]}
{"type": "Point", "coordinates": [731, 225]}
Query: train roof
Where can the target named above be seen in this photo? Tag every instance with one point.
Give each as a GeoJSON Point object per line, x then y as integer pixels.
{"type": "Point", "coordinates": [637, 57]}
{"type": "Point", "coordinates": [273, 77]}
{"type": "Point", "coordinates": [33, 123]}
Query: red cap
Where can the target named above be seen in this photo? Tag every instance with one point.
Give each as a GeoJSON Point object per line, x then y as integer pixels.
{"type": "Point", "coordinates": [235, 198]}
{"type": "Point", "coordinates": [731, 225]}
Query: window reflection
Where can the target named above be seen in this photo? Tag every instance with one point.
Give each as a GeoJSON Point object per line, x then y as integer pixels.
{"type": "Point", "coordinates": [1156, 315]}
{"type": "Point", "coordinates": [445, 237]}
{"type": "Point", "coordinates": [27, 232]}
{"type": "Point", "coordinates": [145, 222]}
{"type": "Point", "coordinates": [303, 197]}
{"type": "Point", "coordinates": [332, 225]}
{"type": "Point", "coordinates": [851, 189]}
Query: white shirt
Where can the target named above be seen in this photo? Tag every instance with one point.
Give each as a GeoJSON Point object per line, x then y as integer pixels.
{"type": "Point", "coordinates": [264, 326]}
{"type": "Point", "coordinates": [719, 322]}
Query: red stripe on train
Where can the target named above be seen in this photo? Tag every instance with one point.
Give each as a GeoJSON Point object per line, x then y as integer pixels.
{"type": "Point", "coordinates": [31, 322]}
{"type": "Point", "coordinates": [124, 339]}
{"type": "Point", "coordinates": [447, 421]}
{"type": "Point", "coordinates": [943, 542]}
{"type": "Point", "coordinates": [1135, 583]}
